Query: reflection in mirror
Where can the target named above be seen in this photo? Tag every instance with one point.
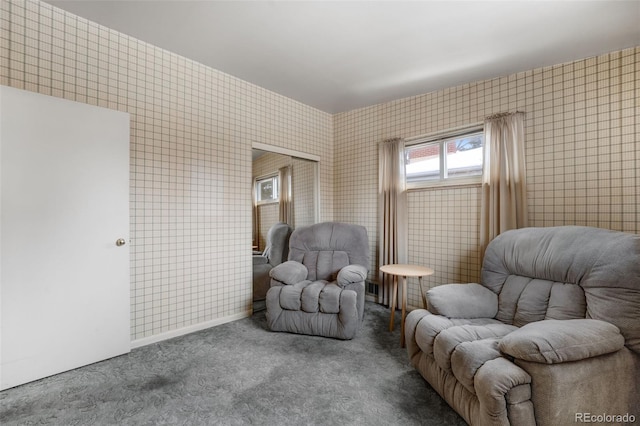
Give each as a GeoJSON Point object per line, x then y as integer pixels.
{"type": "Point", "coordinates": [300, 187]}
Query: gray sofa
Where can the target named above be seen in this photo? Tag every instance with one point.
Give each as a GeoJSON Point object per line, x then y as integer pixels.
{"type": "Point", "coordinates": [550, 336]}
{"type": "Point", "coordinates": [275, 252]}
{"type": "Point", "coordinates": [320, 289]}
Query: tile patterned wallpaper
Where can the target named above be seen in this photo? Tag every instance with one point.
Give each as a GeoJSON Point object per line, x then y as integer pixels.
{"type": "Point", "coordinates": [582, 133]}
{"type": "Point", "coordinates": [192, 129]}
{"type": "Point", "coordinates": [191, 133]}
{"type": "Point", "coordinates": [303, 189]}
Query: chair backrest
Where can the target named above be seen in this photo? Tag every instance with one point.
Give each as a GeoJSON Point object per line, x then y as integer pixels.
{"type": "Point", "coordinates": [327, 247]}
{"type": "Point", "coordinates": [566, 272]}
{"type": "Point", "coordinates": [277, 248]}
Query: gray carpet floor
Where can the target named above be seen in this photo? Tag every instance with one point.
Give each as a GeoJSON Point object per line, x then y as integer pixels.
{"type": "Point", "coordinates": [240, 373]}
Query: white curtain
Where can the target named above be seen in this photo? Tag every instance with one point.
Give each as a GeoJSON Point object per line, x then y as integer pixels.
{"type": "Point", "coordinates": [504, 189]}
{"type": "Point", "coordinates": [286, 200]}
{"type": "Point", "coordinates": [392, 212]}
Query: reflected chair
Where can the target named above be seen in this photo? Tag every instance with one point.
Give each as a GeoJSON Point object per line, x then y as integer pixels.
{"type": "Point", "coordinates": [275, 252]}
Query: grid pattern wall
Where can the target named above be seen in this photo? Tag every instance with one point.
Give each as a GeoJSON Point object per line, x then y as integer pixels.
{"type": "Point", "coordinates": [582, 154]}
{"type": "Point", "coordinates": [303, 187]}
{"type": "Point", "coordinates": [452, 227]}
{"type": "Point", "coordinates": [191, 134]}
{"type": "Point", "coordinates": [268, 215]}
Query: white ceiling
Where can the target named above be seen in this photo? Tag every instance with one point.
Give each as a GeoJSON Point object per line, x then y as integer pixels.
{"type": "Point", "coordinates": [341, 55]}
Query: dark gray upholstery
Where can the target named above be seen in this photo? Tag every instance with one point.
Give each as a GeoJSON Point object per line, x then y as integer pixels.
{"type": "Point", "coordinates": [552, 330]}
{"type": "Point", "coordinates": [275, 253]}
{"type": "Point", "coordinates": [320, 289]}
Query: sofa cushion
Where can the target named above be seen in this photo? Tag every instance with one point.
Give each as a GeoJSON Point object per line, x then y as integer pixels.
{"type": "Point", "coordinates": [309, 297]}
{"type": "Point", "coordinates": [289, 272]}
{"type": "Point", "coordinates": [325, 264]}
{"type": "Point", "coordinates": [325, 248]}
{"type": "Point", "coordinates": [329, 298]}
{"type": "Point", "coordinates": [430, 326]}
{"type": "Point", "coordinates": [343, 325]}
{"type": "Point", "coordinates": [525, 299]}
{"type": "Point", "coordinates": [602, 263]}
{"type": "Point", "coordinates": [554, 341]}
{"type": "Point", "coordinates": [291, 295]}
{"type": "Point", "coordinates": [462, 301]}
{"type": "Point", "coordinates": [351, 274]}
{"type": "Point", "coordinates": [448, 340]}
{"type": "Point", "coordinates": [566, 301]}
{"type": "Point", "coordinates": [312, 296]}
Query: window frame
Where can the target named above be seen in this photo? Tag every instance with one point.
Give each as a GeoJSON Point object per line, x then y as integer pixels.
{"type": "Point", "coordinates": [276, 184]}
{"type": "Point", "coordinates": [441, 140]}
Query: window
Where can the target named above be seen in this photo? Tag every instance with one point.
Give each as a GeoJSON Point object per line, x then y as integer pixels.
{"type": "Point", "coordinates": [267, 189]}
{"type": "Point", "coordinates": [450, 159]}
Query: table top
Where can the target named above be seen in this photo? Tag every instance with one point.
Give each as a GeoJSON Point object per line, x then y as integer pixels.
{"type": "Point", "coordinates": [406, 270]}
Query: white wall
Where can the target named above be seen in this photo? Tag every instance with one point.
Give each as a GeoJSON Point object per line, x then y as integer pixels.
{"type": "Point", "coordinates": [191, 133]}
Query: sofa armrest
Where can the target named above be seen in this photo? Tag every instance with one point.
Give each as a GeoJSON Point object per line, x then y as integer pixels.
{"type": "Point", "coordinates": [259, 260]}
{"type": "Point", "coordinates": [504, 392]}
{"type": "Point", "coordinates": [462, 301]}
{"type": "Point", "coordinates": [558, 341]}
{"type": "Point", "coordinates": [289, 272]}
{"type": "Point", "coordinates": [351, 274]}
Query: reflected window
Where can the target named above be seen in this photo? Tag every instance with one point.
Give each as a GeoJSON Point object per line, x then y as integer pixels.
{"type": "Point", "coordinates": [267, 189]}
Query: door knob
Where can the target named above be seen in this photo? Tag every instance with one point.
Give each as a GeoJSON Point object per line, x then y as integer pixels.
{"type": "Point", "coordinates": [120, 242]}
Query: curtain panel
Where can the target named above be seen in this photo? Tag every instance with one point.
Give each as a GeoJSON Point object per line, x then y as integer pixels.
{"type": "Point", "coordinates": [286, 200]}
{"type": "Point", "coordinates": [504, 189]}
{"type": "Point", "coordinates": [392, 213]}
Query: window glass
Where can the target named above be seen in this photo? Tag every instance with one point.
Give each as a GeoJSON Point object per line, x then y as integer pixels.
{"type": "Point", "coordinates": [423, 162]}
{"type": "Point", "coordinates": [267, 189]}
{"type": "Point", "coordinates": [445, 159]}
{"type": "Point", "coordinates": [464, 156]}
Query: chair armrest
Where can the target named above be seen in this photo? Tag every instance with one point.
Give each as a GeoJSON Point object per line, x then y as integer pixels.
{"type": "Point", "coordinates": [259, 260]}
{"type": "Point", "coordinates": [558, 341]}
{"type": "Point", "coordinates": [351, 274]}
{"type": "Point", "coordinates": [462, 301]}
{"type": "Point", "coordinates": [289, 272]}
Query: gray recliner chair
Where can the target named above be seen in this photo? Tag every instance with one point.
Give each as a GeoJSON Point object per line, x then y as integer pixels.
{"type": "Point", "coordinates": [550, 336]}
{"type": "Point", "coordinates": [320, 289]}
{"type": "Point", "coordinates": [275, 252]}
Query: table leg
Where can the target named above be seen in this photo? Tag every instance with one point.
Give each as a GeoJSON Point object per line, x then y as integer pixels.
{"type": "Point", "coordinates": [394, 295]}
{"type": "Point", "coordinates": [404, 309]}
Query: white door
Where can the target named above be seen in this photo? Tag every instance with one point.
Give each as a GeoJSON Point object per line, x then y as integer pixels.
{"type": "Point", "coordinates": [64, 194]}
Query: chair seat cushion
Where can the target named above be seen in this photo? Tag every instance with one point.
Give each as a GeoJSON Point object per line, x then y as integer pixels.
{"type": "Point", "coordinates": [449, 340]}
{"type": "Point", "coordinates": [430, 327]}
{"type": "Point", "coordinates": [461, 346]}
{"type": "Point", "coordinates": [311, 296]}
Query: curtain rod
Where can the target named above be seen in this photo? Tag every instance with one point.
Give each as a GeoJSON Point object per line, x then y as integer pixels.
{"type": "Point", "coordinates": [502, 114]}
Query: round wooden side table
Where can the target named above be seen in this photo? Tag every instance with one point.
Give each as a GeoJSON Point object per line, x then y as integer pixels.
{"type": "Point", "coordinates": [404, 271]}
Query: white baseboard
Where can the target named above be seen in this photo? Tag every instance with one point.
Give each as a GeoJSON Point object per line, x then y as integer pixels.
{"type": "Point", "coordinates": [187, 330]}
